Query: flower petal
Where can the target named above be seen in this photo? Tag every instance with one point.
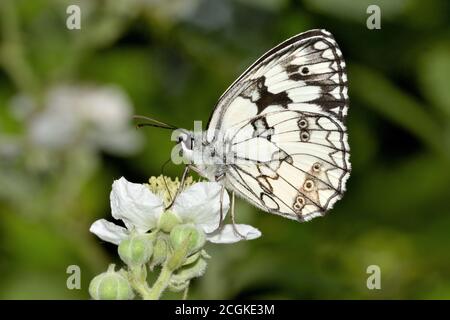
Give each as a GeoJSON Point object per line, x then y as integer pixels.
{"type": "Point", "coordinates": [135, 204]}
{"type": "Point", "coordinates": [200, 204]}
{"type": "Point", "coordinates": [108, 231]}
{"type": "Point", "coordinates": [228, 235]}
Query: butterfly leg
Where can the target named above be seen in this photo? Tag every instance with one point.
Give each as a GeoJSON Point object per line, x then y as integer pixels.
{"type": "Point", "coordinates": [236, 231]}
{"type": "Point", "coordinates": [222, 192]}
{"type": "Point", "coordinates": [183, 179]}
{"type": "Point", "coordinates": [221, 215]}
{"type": "Point", "coordinates": [233, 221]}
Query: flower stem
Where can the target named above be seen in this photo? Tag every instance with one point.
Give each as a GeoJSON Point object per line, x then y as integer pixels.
{"type": "Point", "coordinates": [172, 263]}
{"type": "Point", "coordinates": [138, 280]}
{"type": "Point", "coordinates": [138, 275]}
{"type": "Point", "coordinates": [186, 291]}
{"type": "Point", "coordinates": [160, 284]}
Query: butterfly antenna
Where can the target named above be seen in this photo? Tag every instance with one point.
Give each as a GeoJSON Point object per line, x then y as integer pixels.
{"type": "Point", "coordinates": [153, 123]}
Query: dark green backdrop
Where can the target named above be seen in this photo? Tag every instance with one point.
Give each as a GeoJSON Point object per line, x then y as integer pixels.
{"type": "Point", "coordinates": [173, 59]}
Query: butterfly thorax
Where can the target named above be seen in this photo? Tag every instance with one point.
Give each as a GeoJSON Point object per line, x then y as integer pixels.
{"type": "Point", "coordinates": [209, 159]}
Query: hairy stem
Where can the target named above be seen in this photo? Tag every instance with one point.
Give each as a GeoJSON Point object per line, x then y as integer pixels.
{"type": "Point", "coordinates": [138, 280]}
{"type": "Point", "coordinates": [186, 291]}
{"type": "Point", "coordinates": [160, 284]}
{"type": "Point", "coordinates": [172, 263]}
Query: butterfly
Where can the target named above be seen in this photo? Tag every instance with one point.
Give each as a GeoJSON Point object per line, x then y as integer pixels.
{"type": "Point", "coordinates": [277, 136]}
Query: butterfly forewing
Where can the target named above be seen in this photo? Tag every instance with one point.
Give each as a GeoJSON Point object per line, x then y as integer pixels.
{"type": "Point", "coordinates": [284, 122]}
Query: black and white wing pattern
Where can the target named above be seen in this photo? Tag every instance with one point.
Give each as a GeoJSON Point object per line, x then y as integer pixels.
{"type": "Point", "coordinates": [283, 120]}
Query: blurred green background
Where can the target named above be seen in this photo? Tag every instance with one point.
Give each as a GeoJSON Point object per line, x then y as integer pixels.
{"type": "Point", "coordinates": [66, 98]}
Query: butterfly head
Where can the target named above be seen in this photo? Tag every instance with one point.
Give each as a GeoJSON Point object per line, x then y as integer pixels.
{"type": "Point", "coordinates": [185, 139]}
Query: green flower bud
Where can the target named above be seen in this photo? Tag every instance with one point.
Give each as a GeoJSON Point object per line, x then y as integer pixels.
{"type": "Point", "coordinates": [192, 258]}
{"type": "Point", "coordinates": [205, 254]}
{"type": "Point", "coordinates": [178, 287]}
{"type": "Point", "coordinates": [136, 249]}
{"type": "Point", "coordinates": [186, 240]}
{"type": "Point", "coordinates": [110, 285]}
{"type": "Point", "coordinates": [188, 236]}
{"type": "Point", "coordinates": [160, 251]}
{"type": "Point", "coordinates": [188, 272]}
{"type": "Point", "coordinates": [168, 220]}
{"type": "Point", "coordinates": [180, 280]}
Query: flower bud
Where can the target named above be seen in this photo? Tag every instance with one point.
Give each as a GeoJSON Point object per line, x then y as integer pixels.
{"type": "Point", "coordinates": [180, 280]}
{"type": "Point", "coordinates": [160, 251]}
{"type": "Point", "coordinates": [186, 240]}
{"type": "Point", "coordinates": [188, 272]}
{"type": "Point", "coordinates": [168, 220]}
{"type": "Point", "coordinates": [192, 258]}
{"type": "Point", "coordinates": [110, 285]}
{"type": "Point", "coordinates": [178, 286]}
{"type": "Point", "coordinates": [188, 236]}
{"type": "Point", "coordinates": [136, 249]}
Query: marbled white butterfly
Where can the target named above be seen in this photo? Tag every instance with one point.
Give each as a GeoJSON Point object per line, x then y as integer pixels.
{"type": "Point", "coordinates": [277, 136]}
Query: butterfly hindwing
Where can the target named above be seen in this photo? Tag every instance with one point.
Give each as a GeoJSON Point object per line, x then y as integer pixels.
{"type": "Point", "coordinates": [295, 164]}
{"type": "Point", "coordinates": [284, 122]}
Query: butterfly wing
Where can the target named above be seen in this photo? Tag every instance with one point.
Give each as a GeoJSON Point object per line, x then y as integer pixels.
{"type": "Point", "coordinates": [283, 120]}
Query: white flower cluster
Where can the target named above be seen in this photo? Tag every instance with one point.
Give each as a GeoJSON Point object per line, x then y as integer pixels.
{"type": "Point", "coordinates": [141, 211]}
{"type": "Point", "coordinates": [157, 235]}
{"type": "Point", "coordinates": [97, 116]}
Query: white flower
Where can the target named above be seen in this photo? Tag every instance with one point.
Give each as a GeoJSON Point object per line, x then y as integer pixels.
{"type": "Point", "coordinates": [98, 116]}
{"type": "Point", "coordinates": [140, 210]}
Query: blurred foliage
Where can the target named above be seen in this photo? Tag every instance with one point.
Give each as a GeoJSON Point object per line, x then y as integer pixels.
{"type": "Point", "coordinates": [173, 59]}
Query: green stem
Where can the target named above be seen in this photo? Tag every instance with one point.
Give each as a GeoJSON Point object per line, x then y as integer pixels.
{"type": "Point", "coordinates": [172, 263]}
{"type": "Point", "coordinates": [186, 291]}
{"type": "Point", "coordinates": [138, 277]}
{"type": "Point", "coordinates": [138, 281]}
{"type": "Point", "coordinates": [160, 284]}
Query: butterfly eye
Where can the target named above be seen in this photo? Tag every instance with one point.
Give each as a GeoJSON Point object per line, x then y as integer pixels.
{"type": "Point", "coordinates": [191, 143]}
